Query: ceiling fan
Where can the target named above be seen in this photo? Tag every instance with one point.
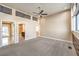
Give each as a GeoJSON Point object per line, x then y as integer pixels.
{"type": "Point", "coordinates": [40, 13]}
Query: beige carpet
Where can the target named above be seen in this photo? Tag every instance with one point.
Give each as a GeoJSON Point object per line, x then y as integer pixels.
{"type": "Point", "coordinates": [39, 47]}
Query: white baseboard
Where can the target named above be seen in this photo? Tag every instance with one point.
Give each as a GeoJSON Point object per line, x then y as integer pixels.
{"type": "Point", "coordinates": [57, 39]}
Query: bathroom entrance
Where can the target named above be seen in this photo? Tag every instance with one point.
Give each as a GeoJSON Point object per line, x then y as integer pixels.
{"type": "Point", "coordinates": [21, 32]}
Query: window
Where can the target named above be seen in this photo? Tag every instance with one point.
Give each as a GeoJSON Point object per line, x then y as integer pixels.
{"type": "Point", "coordinates": [20, 14]}
{"type": "Point", "coordinates": [35, 19]}
{"type": "Point", "coordinates": [5, 10]}
{"type": "Point", "coordinates": [75, 17]}
{"type": "Point", "coordinates": [5, 34]}
{"type": "Point", "coordinates": [77, 22]}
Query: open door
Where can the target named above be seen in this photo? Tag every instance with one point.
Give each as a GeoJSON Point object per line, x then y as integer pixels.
{"type": "Point", "coordinates": [6, 33]}
{"type": "Point", "coordinates": [21, 32]}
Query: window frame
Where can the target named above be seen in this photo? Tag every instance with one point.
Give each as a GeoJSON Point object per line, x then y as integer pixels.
{"type": "Point", "coordinates": [76, 19]}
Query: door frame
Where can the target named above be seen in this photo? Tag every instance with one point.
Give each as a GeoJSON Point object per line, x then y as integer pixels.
{"type": "Point", "coordinates": [13, 31]}
{"type": "Point", "coordinates": [24, 29]}
{"type": "Point", "coordinates": [9, 25]}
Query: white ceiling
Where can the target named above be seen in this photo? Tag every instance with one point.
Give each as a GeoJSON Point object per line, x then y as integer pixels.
{"type": "Point", "coordinates": [50, 8]}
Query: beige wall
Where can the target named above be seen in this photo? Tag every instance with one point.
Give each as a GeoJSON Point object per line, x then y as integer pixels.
{"type": "Point", "coordinates": [57, 26]}
{"type": "Point", "coordinates": [30, 26]}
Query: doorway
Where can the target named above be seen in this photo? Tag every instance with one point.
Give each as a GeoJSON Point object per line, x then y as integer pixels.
{"type": "Point", "coordinates": [6, 33]}
{"type": "Point", "coordinates": [21, 32]}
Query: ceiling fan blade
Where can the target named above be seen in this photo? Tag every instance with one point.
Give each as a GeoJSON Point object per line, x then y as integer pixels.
{"type": "Point", "coordinates": [43, 14]}
{"type": "Point", "coordinates": [41, 11]}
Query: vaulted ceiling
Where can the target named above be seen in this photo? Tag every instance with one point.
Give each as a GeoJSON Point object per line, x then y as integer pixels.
{"type": "Point", "coordinates": [50, 8]}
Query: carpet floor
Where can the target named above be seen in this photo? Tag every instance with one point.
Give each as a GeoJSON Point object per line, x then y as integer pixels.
{"type": "Point", "coordinates": [39, 47]}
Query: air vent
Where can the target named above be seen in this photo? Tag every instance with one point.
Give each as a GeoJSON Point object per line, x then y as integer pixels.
{"type": "Point", "coordinates": [20, 14]}
{"type": "Point", "coordinates": [69, 47]}
{"type": "Point", "coordinates": [34, 18]}
{"type": "Point", "coordinates": [5, 10]}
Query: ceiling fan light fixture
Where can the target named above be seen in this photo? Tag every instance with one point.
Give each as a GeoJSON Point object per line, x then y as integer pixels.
{"type": "Point", "coordinates": [40, 13]}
